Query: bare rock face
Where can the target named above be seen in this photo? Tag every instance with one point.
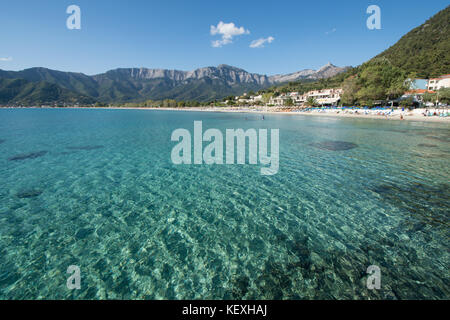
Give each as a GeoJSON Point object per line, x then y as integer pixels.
{"type": "Point", "coordinates": [231, 75]}
{"type": "Point", "coordinates": [327, 71]}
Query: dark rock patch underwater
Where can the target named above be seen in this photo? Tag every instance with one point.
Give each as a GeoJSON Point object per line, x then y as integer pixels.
{"type": "Point", "coordinates": [85, 147]}
{"type": "Point", "coordinates": [25, 156]}
{"type": "Point", "coordinates": [334, 145]}
{"type": "Point", "coordinates": [427, 145]}
{"type": "Point", "coordinates": [29, 194]}
{"type": "Point", "coordinates": [417, 199]}
{"type": "Point", "coordinates": [440, 138]}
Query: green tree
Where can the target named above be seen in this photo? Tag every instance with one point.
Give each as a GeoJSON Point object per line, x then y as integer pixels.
{"type": "Point", "coordinates": [443, 95]}
{"type": "Point", "coordinates": [350, 88]}
{"type": "Point", "coordinates": [266, 97]}
{"type": "Point", "coordinates": [289, 102]}
{"type": "Point", "coordinates": [407, 103]}
{"type": "Point", "coordinates": [311, 102]}
{"type": "Point", "coordinates": [429, 97]}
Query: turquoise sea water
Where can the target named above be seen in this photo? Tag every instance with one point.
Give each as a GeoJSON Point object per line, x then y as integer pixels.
{"type": "Point", "coordinates": [97, 189]}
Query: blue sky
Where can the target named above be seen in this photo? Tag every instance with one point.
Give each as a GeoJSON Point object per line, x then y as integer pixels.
{"type": "Point", "coordinates": [177, 34]}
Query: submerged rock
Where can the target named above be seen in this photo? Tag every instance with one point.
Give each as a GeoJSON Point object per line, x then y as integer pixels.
{"type": "Point", "coordinates": [385, 189]}
{"type": "Point", "coordinates": [1, 141]}
{"type": "Point", "coordinates": [25, 156]}
{"type": "Point", "coordinates": [334, 145]}
{"type": "Point", "coordinates": [29, 194]}
{"type": "Point", "coordinates": [439, 138]}
{"type": "Point", "coordinates": [84, 233]}
{"type": "Point", "coordinates": [85, 147]}
{"type": "Point", "coordinates": [240, 286]}
{"type": "Point", "coordinates": [426, 145]}
{"type": "Point", "coordinates": [416, 198]}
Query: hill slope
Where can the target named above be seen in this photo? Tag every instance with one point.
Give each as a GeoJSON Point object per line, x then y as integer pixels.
{"type": "Point", "coordinates": [24, 92]}
{"type": "Point", "coordinates": [424, 50]}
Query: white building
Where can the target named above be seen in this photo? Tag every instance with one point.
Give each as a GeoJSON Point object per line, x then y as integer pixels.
{"type": "Point", "coordinates": [439, 83]}
{"type": "Point", "coordinates": [256, 98]}
{"type": "Point", "coordinates": [326, 97]}
{"type": "Point", "coordinates": [278, 101]}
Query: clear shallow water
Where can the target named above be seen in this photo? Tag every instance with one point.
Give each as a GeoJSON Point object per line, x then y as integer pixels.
{"type": "Point", "coordinates": [96, 188]}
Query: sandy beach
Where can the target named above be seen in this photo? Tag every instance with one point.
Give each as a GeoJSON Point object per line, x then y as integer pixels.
{"type": "Point", "coordinates": [414, 115]}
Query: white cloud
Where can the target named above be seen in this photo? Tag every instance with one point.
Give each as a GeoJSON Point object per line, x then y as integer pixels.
{"type": "Point", "coordinates": [228, 31]}
{"type": "Point", "coordinates": [6, 59]}
{"type": "Point", "coordinates": [331, 31]}
{"type": "Point", "coordinates": [259, 43]}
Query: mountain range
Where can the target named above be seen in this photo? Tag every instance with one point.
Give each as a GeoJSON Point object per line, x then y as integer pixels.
{"type": "Point", "coordinates": [41, 85]}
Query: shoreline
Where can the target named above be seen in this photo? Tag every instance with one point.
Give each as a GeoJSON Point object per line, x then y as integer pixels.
{"type": "Point", "coordinates": [407, 116]}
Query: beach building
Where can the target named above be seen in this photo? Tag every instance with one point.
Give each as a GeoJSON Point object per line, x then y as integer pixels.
{"type": "Point", "coordinates": [256, 99]}
{"type": "Point", "coordinates": [297, 98]}
{"type": "Point", "coordinates": [278, 101]}
{"type": "Point", "coordinates": [439, 83]}
{"type": "Point", "coordinates": [326, 97]}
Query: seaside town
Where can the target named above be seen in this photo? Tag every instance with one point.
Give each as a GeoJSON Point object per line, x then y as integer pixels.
{"type": "Point", "coordinates": [420, 100]}
{"type": "Point", "coordinates": [331, 97]}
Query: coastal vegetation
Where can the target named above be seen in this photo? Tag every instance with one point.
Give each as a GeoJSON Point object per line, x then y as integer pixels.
{"type": "Point", "coordinates": [375, 80]}
{"type": "Point", "coordinates": [442, 95]}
